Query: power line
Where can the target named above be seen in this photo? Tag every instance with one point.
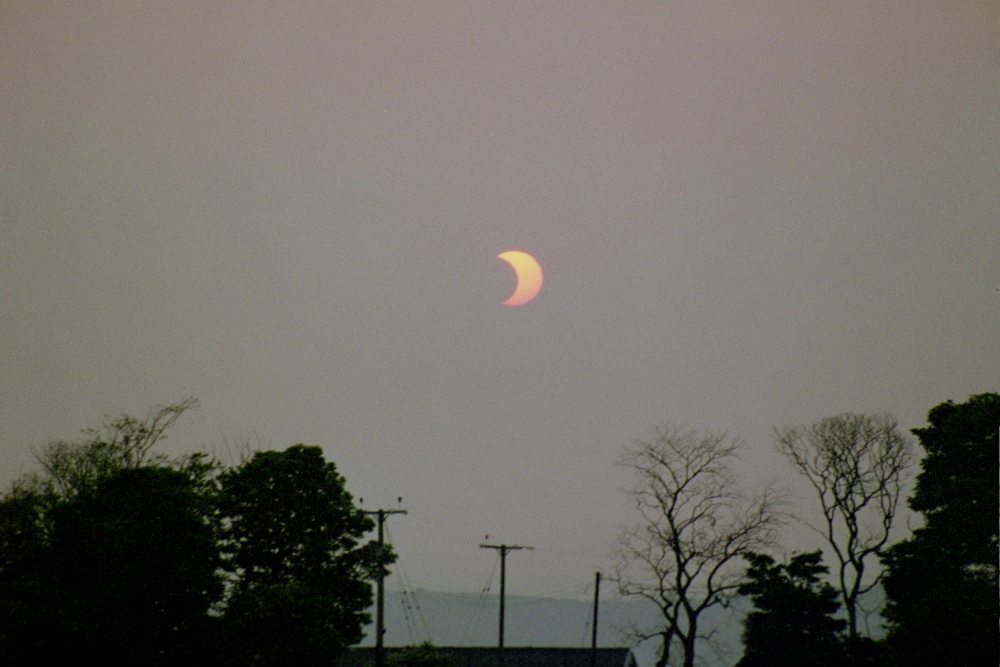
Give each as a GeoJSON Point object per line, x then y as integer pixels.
{"type": "Point", "coordinates": [474, 618]}
{"type": "Point", "coordinates": [412, 612]}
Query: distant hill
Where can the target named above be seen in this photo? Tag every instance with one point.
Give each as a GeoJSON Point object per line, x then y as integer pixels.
{"type": "Point", "coordinates": [465, 619]}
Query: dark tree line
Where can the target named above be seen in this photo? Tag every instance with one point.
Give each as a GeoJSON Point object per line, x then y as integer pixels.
{"type": "Point", "coordinates": [118, 555]}
{"type": "Point", "coordinates": [941, 584]}
{"type": "Point", "coordinates": [696, 527]}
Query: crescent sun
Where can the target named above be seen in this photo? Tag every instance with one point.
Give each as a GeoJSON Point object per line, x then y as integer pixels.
{"type": "Point", "coordinates": [529, 277]}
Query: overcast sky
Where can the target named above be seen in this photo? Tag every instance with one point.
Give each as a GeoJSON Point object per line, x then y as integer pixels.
{"type": "Point", "coordinates": [748, 215]}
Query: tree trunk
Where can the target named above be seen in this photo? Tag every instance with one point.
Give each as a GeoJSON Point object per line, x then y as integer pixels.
{"type": "Point", "coordinates": [689, 641]}
{"type": "Point", "coordinates": [852, 618]}
{"type": "Point", "coordinates": [688, 653]}
{"type": "Point", "coordinates": [664, 659]}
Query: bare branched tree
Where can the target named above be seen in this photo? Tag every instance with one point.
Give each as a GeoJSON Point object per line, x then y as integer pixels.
{"type": "Point", "coordinates": [857, 464]}
{"type": "Point", "coordinates": [114, 444]}
{"type": "Point", "coordinates": [684, 553]}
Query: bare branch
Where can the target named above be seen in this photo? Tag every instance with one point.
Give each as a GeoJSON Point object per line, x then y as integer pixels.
{"type": "Point", "coordinates": [857, 465]}
{"type": "Point", "coordinates": [113, 445]}
{"type": "Point", "coordinates": [683, 555]}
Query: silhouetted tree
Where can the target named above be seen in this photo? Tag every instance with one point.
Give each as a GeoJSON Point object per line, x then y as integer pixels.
{"type": "Point", "coordinates": [123, 572]}
{"type": "Point", "coordinates": [116, 554]}
{"type": "Point", "coordinates": [101, 552]}
{"type": "Point", "coordinates": [794, 622]}
{"type": "Point", "coordinates": [114, 444]}
{"type": "Point", "coordinates": [856, 464]}
{"type": "Point", "coordinates": [139, 565]}
{"type": "Point", "coordinates": [29, 602]}
{"type": "Point", "coordinates": [684, 553]}
{"type": "Point", "coordinates": [286, 624]}
{"type": "Point", "coordinates": [942, 583]}
{"type": "Point", "coordinates": [291, 543]}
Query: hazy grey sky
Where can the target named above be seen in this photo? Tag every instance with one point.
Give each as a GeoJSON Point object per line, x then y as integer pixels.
{"type": "Point", "coordinates": [748, 214]}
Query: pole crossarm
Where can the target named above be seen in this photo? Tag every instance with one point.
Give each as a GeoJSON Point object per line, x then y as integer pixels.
{"type": "Point", "coordinates": [504, 548]}
{"type": "Point", "coordinates": [383, 513]}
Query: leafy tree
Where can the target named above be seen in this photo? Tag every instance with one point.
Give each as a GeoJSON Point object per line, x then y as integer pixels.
{"type": "Point", "coordinates": [28, 602]}
{"type": "Point", "coordinates": [116, 553]}
{"type": "Point", "coordinates": [857, 464]}
{"type": "Point", "coordinates": [695, 525]}
{"type": "Point", "coordinates": [123, 573]}
{"type": "Point", "coordinates": [794, 622]}
{"type": "Point", "coordinates": [942, 583]}
{"type": "Point", "coordinates": [291, 543]}
{"type": "Point", "coordinates": [284, 624]}
{"type": "Point", "coordinates": [101, 535]}
{"type": "Point", "coordinates": [138, 563]}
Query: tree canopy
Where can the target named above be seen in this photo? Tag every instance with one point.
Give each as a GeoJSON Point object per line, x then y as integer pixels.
{"type": "Point", "coordinates": [291, 544]}
{"type": "Point", "coordinates": [794, 621]}
{"type": "Point", "coordinates": [942, 582]}
{"type": "Point", "coordinates": [124, 572]}
{"type": "Point", "coordinates": [116, 554]}
{"type": "Point", "coordinates": [136, 565]}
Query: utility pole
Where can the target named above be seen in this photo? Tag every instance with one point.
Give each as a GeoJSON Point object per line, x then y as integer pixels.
{"type": "Point", "coordinates": [593, 634]}
{"type": "Point", "coordinates": [381, 516]}
{"type": "Point", "coordinates": [503, 549]}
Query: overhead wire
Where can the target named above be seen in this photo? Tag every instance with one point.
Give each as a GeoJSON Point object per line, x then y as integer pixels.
{"type": "Point", "coordinates": [408, 598]}
{"type": "Point", "coordinates": [413, 612]}
{"type": "Point", "coordinates": [480, 603]}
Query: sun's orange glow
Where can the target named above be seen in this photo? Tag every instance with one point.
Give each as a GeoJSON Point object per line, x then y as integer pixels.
{"type": "Point", "coordinates": [529, 277]}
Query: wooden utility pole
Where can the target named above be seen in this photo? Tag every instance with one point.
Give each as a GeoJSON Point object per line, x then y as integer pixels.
{"type": "Point", "coordinates": [381, 516]}
{"type": "Point", "coordinates": [593, 632]}
{"type": "Point", "coordinates": [503, 549]}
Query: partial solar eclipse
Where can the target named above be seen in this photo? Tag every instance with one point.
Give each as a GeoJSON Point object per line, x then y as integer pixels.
{"type": "Point", "coordinates": [529, 277]}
